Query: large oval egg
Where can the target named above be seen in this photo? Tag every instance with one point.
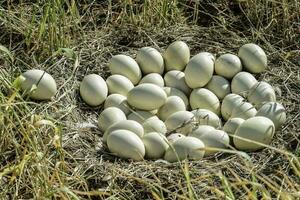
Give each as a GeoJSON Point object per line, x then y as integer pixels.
{"type": "Point", "coordinates": [170, 91]}
{"type": "Point", "coordinates": [229, 102]}
{"type": "Point", "coordinates": [93, 90]}
{"type": "Point", "coordinates": [150, 60]}
{"type": "Point", "coordinates": [118, 84]}
{"type": "Point", "coordinates": [232, 124]}
{"type": "Point", "coordinates": [261, 93]}
{"type": "Point", "coordinates": [44, 82]}
{"type": "Point", "coordinates": [146, 96]}
{"type": "Point", "coordinates": [183, 148]}
{"type": "Point", "coordinates": [176, 56]}
{"type": "Point", "coordinates": [153, 124]}
{"type": "Point", "coordinates": [109, 116]}
{"type": "Point", "coordinates": [126, 66]}
{"type": "Point", "coordinates": [119, 101]}
{"type": "Point", "coordinates": [219, 86]}
{"type": "Point", "coordinates": [140, 116]}
{"type": "Point", "coordinates": [199, 70]}
{"type": "Point", "coordinates": [176, 79]}
{"type": "Point", "coordinates": [181, 121]}
{"type": "Point", "coordinates": [206, 117]}
{"type": "Point", "coordinates": [244, 110]}
{"type": "Point", "coordinates": [242, 82]}
{"type": "Point", "coordinates": [275, 112]}
{"type": "Point", "coordinates": [172, 105]}
{"type": "Point", "coordinates": [155, 145]}
{"type": "Point", "coordinates": [126, 144]}
{"type": "Point", "coordinates": [205, 99]}
{"type": "Point", "coordinates": [153, 78]}
{"type": "Point", "coordinates": [228, 65]}
{"type": "Point", "coordinates": [256, 129]}
{"type": "Point", "coordinates": [253, 58]}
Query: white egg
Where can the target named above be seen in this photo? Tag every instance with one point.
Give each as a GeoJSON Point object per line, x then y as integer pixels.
{"type": "Point", "coordinates": [155, 145]}
{"type": "Point", "coordinates": [174, 136]}
{"type": "Point", "coordinates": [229, 102]}
{"type": "Point", "coordinates": [181, 121]}
{"type": "Point", "coordinates": [119, 101]}
{"type": "Point", "coordinates": [176, 56]}
{"type": "Point", "coordinates": [118, 84]}
{"type": "Point", "coordinates": [205, 99]}
{"type": "Point", "coordinates": [126, 144]}
{"type": "Point", "coordinates": [153, 78]}
{"type": "Point", "coordinates": [172, 105]}
{"type": "Point", "coordinates": [185, 148]}
{"type": "Point", "coordinates": [228, 65]}
{"type": "Point", "coordinates": [93, 90]}
{"type": "Point", "coordinates": [199, 70]}
{"type": "Point", "coordinates": [176, 79]}
{"type": "Point", "coordinates": [126, 66]}
{"type": "Point", "coordinates": [275, 112]}
{"type": "Point", "coordinates": [129, 125]}
{"type": "Point", "coordinates": [206, 117]}
{"type": "Point", "coordinates": [140, 116]}
{"type": "Point", "coordinates": [256, 129]}
{"type": "Point", "coordinates": [232, 124]}
{"type": "Point", "coordinates": [146, 96]}
{"type": "Point", "coordinates": [44, 82]}
{"type": "Point", "coordinates": [150, 60]}
{"type": "Point", "coordinates": [153, 124]}
{"type": "Point", "coordinates": [170, 91]}
{"type": "Point", "coordinates": [261, 93]}
{"type": "Point", "coordinates": [219, 86]}
{"type": "Point", "coordinates": [244, 110]}
{"type": "Point", "coordinates": [253, 58]}
{"type": "Point", "coordinates": [242, 82]}
{"type": "Point", "coordinates": [109, 116]}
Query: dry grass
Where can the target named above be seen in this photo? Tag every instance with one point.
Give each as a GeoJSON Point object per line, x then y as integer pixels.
{"type": "Point", "coordinates": [65, 159]}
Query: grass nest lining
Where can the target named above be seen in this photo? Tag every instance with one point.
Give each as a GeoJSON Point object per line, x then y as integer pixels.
{"type": "Point", "coordinates": [68, 161]}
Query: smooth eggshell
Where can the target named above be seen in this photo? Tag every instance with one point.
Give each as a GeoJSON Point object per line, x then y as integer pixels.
{"type": "Point", "coordinates": [172, 105]}
{"type": "Point", "coordinates": [256, 129]}
{"type": "Point", "coordinates": [228, 65]}
{"type": "Point", "coordinates": [206, 117]}
{"type": "Point", "coordinates": [199, 70]}
{"type": "Point", "coordinates": [153, 78]}
{"type": "Point", "coordinates": [170, 91]}
{"type": "Point", "coordinates": [229, 102]}
{"type": "Point", "coordinates": [219, 86]}
{"type": "Point", "coordinates": [253, 58]}
{"type": "Point", "coordinates": [275, 112]}
{"type": "Point", "coordinates": [93, 90]}
{"type": "Point", "coordinates": [118, 84]}
{"type": "Point", "coordinates": [119, 101]}
{"type": "Point", "coordinates": [146, 96]}
{"type": "Point", "coordinates": [154, 124]}
{"type": "Point", "coordinates": [242, 82]}
{"type": "Point", "coordinates": [45, 84]}
{"type": "Point", "coordinates": [126, 144]}
{"type": "Point", "coordinates": [244, 110]}
{"type": "Point", "coordinates": [176, 79]}
{"type": "Point", "coordinates": [181, 121]}
{"type": "Point", "coordinates": [232, 124]}
{"type": "Point", "coordinates": [150, 60]}
{"type": "Point", "coordinates": [185, 147]}
{"type": "Point", "coordinates": [140, 116]}
{"type": "Point", "coordinates": [155, 145]}
{"type": "Point", "coordinates": [126, 66]}
{"type": "Point", "coordinates": [109, 116]}
{"type": "Point", "coordinates": [176, 56]}
{"type": "Point", "coordinates": [205, 99]}
{"type": "Point", "coordinates": [261, 93]}
{"type": "Point", "coordinates": [129, 125]}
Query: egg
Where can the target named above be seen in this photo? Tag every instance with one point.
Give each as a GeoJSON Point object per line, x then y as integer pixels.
{"type": "Point", "coordinates": [155, 145]}
{"type": "Point", "coordinates": [185, 148]}
{"type": "Point", "coordinates": [204, 99]}
{"type": "Point", "coordinates": [153, 78]}
{"type": "Point", "coordinates": [219, 86]}
{"type": "Point", "coordinates": [206, 117]}
{"type": "Point", "coordinates": [170, 91]}
{"type": "Point", "coordinates": [119, 84]}
{"type": "Point", "coordinates": [173, 137]}
{"type": "Point", "coordinates": [261, 93]}
{"type": "Point", "coordinates": [229, 102]}
{"type": "Point", "coordinates": [126, 66]}
{"type": "Point", "coordinates": [44, 82]}
{"type": "Point", "coordinates": [150, 60]}
{"type": "Point", "coordinates": [140, 116]}
{"type": "Point", "coordinates": [93, 90]}
{"type": "Point", "coordinates": [153, 124]}
{"type": "Point", "coordinates": [232, 124]}
{"type": "Point", "coordinates": [275, 112]}
{"type": "Point", "coordinates": [126, 144]}
{"type": "Point", "coordinates": [109, 116]}
{"type": "Point", "coordinates": [253, 58]}
{"type": "Point", "coordinates": [146, 96]}
{"type": "Point", "coordinates": [176, 56]}
{"type": "Point", "coordinates": [256, 129]}
{"type": "Point", "coordinates": [172, 105]}
{"type": "Point", "coordinates": [199, 70]}
{"type": "Point", "coordinates": [181, 121]}
{"type": "Point", "coordinates": [119, 101]}
{"type": "Point", "coordinates": [129, 125]}
{"type": "Point", "coordinates": [244, 110]}
{"type": "Point", "coordinates": [242, 82]}
{"type": "Point", "coordinates": [228, 65]}
{"type": "Point", "coordinates": [176, 79]}
{"type": "Point", "coordinates": [211, 138]}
